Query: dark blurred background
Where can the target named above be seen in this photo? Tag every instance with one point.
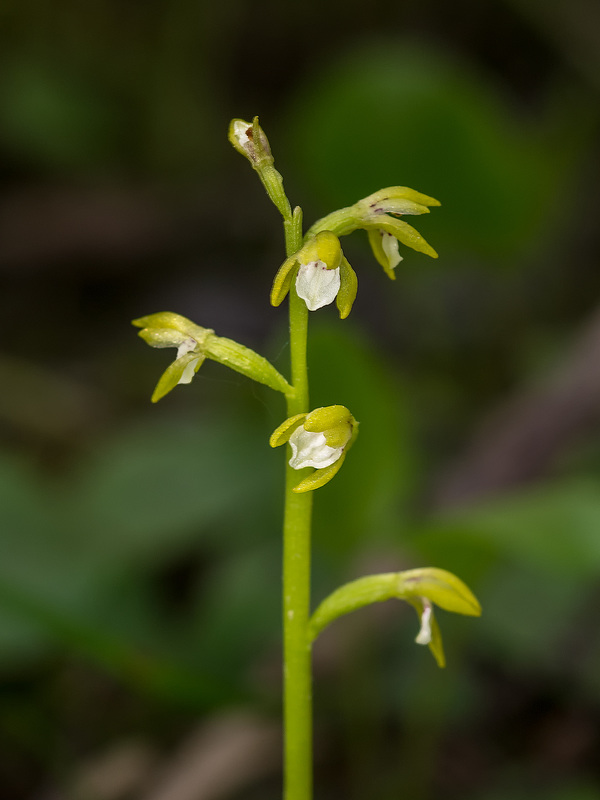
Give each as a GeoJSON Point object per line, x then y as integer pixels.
{"type": "Point", "coordinates": [140, 558]}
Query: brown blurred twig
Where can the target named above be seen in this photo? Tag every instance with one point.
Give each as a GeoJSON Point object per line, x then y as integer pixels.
{"type": "Point", "coordinates": [519, 441]}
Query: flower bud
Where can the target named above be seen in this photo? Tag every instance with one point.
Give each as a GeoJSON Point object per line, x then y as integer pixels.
{"type": "Point", "coordinates": [250, 140]}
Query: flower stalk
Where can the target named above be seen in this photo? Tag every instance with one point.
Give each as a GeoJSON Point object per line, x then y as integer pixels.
{"type": "Point", "coordinates": [296, 565]}
{"type": "Point", "coordinates": [315, 274]}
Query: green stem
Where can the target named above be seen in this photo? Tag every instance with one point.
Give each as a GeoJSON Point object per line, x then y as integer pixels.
{"type": "Point", "coordinates": [296, 567]}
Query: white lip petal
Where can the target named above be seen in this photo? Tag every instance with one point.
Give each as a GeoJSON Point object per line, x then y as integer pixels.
{"type": "Point", "coordinates": [189, 371]}
{"type": "Point", "coordinates": [424, 635]}
{"type": "Point", "coordinates": [240, 129]}
{"type": "Point", "coordinates": [390, 248]}
{"type": "Point", "coordinates": [186, 347]}
{"type": "Point", "coordinates": [311, 450]}
{"type": "Point", "coordinates": [317, 285]}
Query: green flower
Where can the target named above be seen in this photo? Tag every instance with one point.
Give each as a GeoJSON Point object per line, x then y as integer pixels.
{"type": "Point", "coordinates": [322, 274]}
{"type": "Point", "coordinates": [422, 588]}
{"type": "Point", "coordinates": [379, 214]}
{"type": "Point", "coordinates": [195, 344]}
{"type": "Point", "coordinates": [319, 439]}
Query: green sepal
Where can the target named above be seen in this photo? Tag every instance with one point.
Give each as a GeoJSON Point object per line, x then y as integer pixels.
{"type": "Point", "coordinates": [429, 583]}
{"type": "Point", "coordinates": [283, 280]}
{"type": "Point", "coordinates": [436, 645]}
{"type": "Point", "coordinates": [379, 252]}
{"type": "Point", "coordinates": [348, 289]}
{"type": "Point", "coordinates": [162, 337]}
{"type": "Point", "coordinates": [339, 435]}
{"type": "Point", "coordinates": [326, 417]}
{"type": "Point", "coordinates": [392, 193]}
{"type": "Point", "coordinates": [398, 207]}
{"type": "Point", "coordinates": [168, 321]}
{"type": "Point", "coordinates": [336, 423]}
{"type": "Point", "coordinates": [441, 587]}
{"type": "Point", "coordinates": [282, 434]}
{"type": "Point", "coordinates": [173, 374]}
{"type": "Point", "coordinates": [404, 232]}
{"type": "Point", "coordinates": [245, 361]}
{"type": "Point", "coordinates": [325, 247]}
{"type": "Point", "coordinates": [319, 477]}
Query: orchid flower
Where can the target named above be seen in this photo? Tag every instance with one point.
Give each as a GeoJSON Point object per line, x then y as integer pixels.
{"type": "Point", "coordinates": [321, 273]}
{"type": "Point", "coordinates": [320, 440]}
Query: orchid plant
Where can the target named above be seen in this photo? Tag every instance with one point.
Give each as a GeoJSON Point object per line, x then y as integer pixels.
{"type": "Point", "coordinates": [315, 273]}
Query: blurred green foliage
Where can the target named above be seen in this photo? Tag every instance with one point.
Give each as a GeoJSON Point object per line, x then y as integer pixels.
{"type": "Point", "coordinates": [387, 114]}
{"type": "Point", "coordinates": [145, 542]}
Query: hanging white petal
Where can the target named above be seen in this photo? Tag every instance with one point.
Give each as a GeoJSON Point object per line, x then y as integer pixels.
{"type": "Point", "coordinates": [390, 248]}
{"type": "Point", "coordinates": [424, 635]}
{"type": "Point", "coordinates": [317, 285]}
{"type": "Point", "coordinates": [310, 449]}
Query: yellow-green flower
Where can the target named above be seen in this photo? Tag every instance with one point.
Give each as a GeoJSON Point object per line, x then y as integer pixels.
{"type": "Point", "coordinates": [319, 439]}
{"type": "Point", "coordinates": [321, 273]}
{"type": "Point", "coordinates": [379, 214]}
{"type": "Point", "coordinates": [195, 344]}
{"type": "Point", "coordinates": [422, 588]}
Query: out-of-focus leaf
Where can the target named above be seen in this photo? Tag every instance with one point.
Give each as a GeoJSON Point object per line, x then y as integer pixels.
{"type": "Point", "coordinates": [55, 119]}
{"type": "Point", "coordinates": [552, 528]}
{"type": "Point", "coordinates": [239, 610]}
{"type": "Point", "coordinates": [164, 485]}
{"type": "Point", "coordinates": [368, 495]}
{"type": "Point", "coordinates": [141, 498]}
{"type": "Point", "coordinates": [395, 114]}
{"type": "Point", "coordinates": [528, 618]}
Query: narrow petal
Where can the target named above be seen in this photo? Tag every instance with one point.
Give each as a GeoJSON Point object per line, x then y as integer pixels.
{"type": "Point", "coordinates": [402, 193]}
{"type": "Point", "coordinates": [405, 233]}
{"type": "Point", "coordinates": [348, 289]}
{"type": "Point", "coordinates": [440, 587]}
{"type": "Point", "coordinates": [320, 476]}
{"type": "Point", "coordinates": [282, 434]}
{"type": "Point", "coordinates": [317, 285]}
{"type": "Point", "coordinates": [283, 280]}
{"type": "Point", "coordinates": [385, 256]}
{"type": "Point", "coordinates": [169, 320]}
{"type": "Point", "coordinates": [163, 337]}
{"type": "Point", "coordinates": [400, 207]}
{"type": "Point", "coordinates": [174, 374]}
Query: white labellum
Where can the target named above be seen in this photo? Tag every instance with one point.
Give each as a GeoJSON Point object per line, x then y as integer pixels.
{"type": "Point", "coordinates": [317, 285]}
{"type": "Point", "coordinates": [390, 248]}
{"type": "Point", "coordinates": [424, 635]}
{"type": "Point", "coordinates": [311, 450]}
